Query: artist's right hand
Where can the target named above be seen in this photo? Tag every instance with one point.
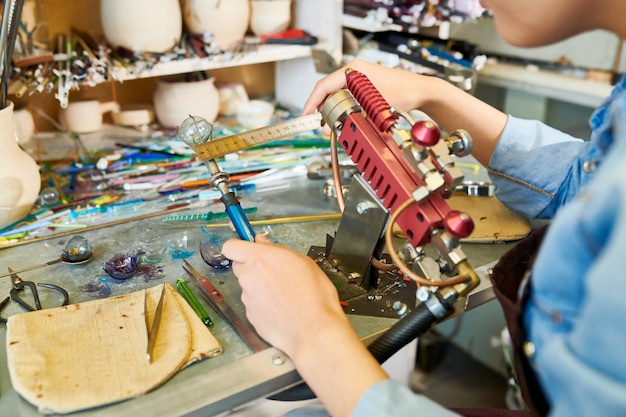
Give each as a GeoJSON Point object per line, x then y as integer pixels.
{"type": "Point", "coordinates": [295, 307]}
{"type": "Point", "coordinates": [286, 295]}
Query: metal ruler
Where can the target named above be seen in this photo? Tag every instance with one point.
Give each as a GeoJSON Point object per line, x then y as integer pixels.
{"type": "Point", "coordinates": [217, 148]}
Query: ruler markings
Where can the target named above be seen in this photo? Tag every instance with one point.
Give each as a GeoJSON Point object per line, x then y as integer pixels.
{"type": "Point", "coordinates": [217, 148]}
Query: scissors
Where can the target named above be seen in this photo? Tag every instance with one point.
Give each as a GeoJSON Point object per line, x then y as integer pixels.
{"type": "Point", "coordinates": [19, 285]}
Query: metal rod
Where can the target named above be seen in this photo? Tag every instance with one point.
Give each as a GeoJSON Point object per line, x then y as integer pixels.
{"type": "Point", "coordinates": [281, 220]}
{"type": "Point", "coordinates": [30, 268]}
{"type": "Point", "coordinates": [8, 33]}
{"type": "Point", "coordinates": [173, 209]}
{"type": "Point", "coordinates": [15, 23]}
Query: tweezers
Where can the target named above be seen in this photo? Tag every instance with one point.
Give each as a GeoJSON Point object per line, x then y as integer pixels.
{"type": "Point", "coordinates": [154, 329]}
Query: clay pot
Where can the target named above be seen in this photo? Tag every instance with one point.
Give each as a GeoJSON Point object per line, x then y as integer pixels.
{"type": "Point", "coordinates": [142, 25]}
{"type": "Point", "coordinates": [226, 20]}
{"type": "Point", "coordinates": [269, 16]}
{"type": "Point", "coordinates": [20, 180]}
{"type": "Point", "coordinates": [85, 116]}
{"type": "Point", "coordinates": [175, 100]}
{"type": "Point", "coordinates": [134, 114]}
{"type": "Point", "coordinates": [231, 96]}
{"type": "Point", "coordinates": [24, 126]}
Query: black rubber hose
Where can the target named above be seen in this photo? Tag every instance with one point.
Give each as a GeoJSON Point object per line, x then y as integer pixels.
{"type": "Point", "coordinates": [411, 326]}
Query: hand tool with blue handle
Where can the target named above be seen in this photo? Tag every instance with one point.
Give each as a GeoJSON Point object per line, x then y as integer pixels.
{"type": "Point", "coordinates": [196, 131]}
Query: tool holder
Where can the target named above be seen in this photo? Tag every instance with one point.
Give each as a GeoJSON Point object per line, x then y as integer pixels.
{"type": "Point", "coordinates": [406, 172]}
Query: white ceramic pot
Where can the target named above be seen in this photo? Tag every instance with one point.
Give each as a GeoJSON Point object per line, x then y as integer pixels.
{"type": "Point", "coordinates": [135, 115]}
{"type": "Point", "coordinates": [24, 125]}
{"type": "Point", "coordinates": [226, 20]}
{"type": "Point", "coordinates": [85, 116]}
{"type": "Point", "coordinates": [269, 16]}
{"type": "Point", "coordinates": [174, 101]}
{"type": "Point", "coordinates": [142, 25]}
{"type": "Point", "coordinates": [20, 180]}
{"type": "Point", "coordinates": [231, 96]}
{"type": "Point", "coordinates": [254, 114]}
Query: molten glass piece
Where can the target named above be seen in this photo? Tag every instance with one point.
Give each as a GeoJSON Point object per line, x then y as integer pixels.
{"type": "Point", "coordinates": [121, 266]}
{"type": "Point", "coordinates": [77, 250]}
{"type": "Point", "coordinates": [211, 249]}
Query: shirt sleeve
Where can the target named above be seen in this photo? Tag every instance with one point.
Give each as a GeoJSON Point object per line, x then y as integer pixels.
{"type": "Point", "coordinates": [390, 398]}
{"type": "Point", "coordinates": [535, 168]}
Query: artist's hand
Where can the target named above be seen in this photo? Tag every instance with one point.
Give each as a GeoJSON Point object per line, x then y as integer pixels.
{"type": "Point", "coordinates": [288, 298]}
{"type": "Point", "coordinates": [295, 307]}
{"type": "Point", "coordinates": [450, 107]}
{"type": "Point", "coordinates": [402, 89]}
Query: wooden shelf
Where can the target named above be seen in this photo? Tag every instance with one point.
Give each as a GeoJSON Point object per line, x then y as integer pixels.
{"type": "Point", "coordinates": [550, 84]}
{"type": "Point", "coordinates": [441, 31]}
{"type": "Point", "coordinates": [264, 54]}
{"type": "Point", "coordinates": [359, 23]}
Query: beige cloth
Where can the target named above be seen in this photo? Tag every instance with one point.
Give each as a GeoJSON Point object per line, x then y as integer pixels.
{"type": "Point", "coordinates": [95, 353]}
{"type": "Point", "coordinates": [493, 222]}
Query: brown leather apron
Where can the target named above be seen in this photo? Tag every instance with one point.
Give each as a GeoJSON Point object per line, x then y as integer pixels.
{"type": "Point", "coordinates": [511, 285]}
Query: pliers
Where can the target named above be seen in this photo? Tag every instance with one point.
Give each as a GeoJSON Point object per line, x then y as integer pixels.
{"type": "Point", "coordinates": [19, 285]}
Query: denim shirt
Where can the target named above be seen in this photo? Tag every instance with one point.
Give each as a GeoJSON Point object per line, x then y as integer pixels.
{"type": "Point", "coordinates": [576, 313]}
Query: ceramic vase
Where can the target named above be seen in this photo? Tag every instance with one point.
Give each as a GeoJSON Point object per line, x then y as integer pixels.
{"type": "Point", "coordinates": [20, 180]}
{"type": "Point", "coordinates": [142, 25]}
{"type": "Point", "coordinates": [269, 16]}
{"type": "Point", "coordinates": [85, 116]}
{"type": "Point", "coordinates": [226, 20]}
{"type": "Point", "coordinates": [24, 126]}
{"type": "Point", "coordinates": [175, 100]}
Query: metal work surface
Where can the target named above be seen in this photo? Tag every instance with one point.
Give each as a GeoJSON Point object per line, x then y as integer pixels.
{"type": "Point", "coordinates": [214, 385]}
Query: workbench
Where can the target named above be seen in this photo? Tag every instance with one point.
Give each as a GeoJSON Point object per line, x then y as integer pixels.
{"type": "Point", "coordinates": [238, 376]}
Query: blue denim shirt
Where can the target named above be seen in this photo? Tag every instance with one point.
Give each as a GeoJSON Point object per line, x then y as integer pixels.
{"type": "Point", "coordinates": [576, 313]}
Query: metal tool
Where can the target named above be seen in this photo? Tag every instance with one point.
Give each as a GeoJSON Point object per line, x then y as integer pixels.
{"type": "Point", "coordinates": [477, 189]}
{"type": "Point", "coordinates": [8, 33]}
{"type": "Point", "coordinates": [156, 323]}
{"type": "Point", "coordinates": [406, 165]}
{"type": "Point", "coordinates": [215, 298]}
{"type": "Point", "coordinates": [196, 131]}
{"type": "Point", "coordinates": [19, 285]}
{"type": "Point", "coordinates": [77, 251]}
{"type": "Point", "coordinates": [293, 36]}
{"type": "Point", "coordinates": [219, 147]}
{"type": "Point", "coordinates": [405, 173]}
{"type": "Point", "coordinates": [283, 220]}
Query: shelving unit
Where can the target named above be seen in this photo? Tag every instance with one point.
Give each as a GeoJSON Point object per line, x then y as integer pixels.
{"type": "Point", "coordinates": [359, 23]}
{"type": "Point", "coordinates": [263, 54]}
{"type": "Point", "coordinates": [441, 31]}
{"type": "Point", "coordinates": [255, 69]}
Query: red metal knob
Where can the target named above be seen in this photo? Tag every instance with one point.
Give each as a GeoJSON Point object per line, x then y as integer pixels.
{"type": "Point", "coordinates": [458, 224]}
{"type": "Point", "coordinates": [425, 133]}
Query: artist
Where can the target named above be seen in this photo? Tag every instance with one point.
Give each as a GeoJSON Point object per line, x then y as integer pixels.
{"type": "Point", "coordinates": [569, 333]}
